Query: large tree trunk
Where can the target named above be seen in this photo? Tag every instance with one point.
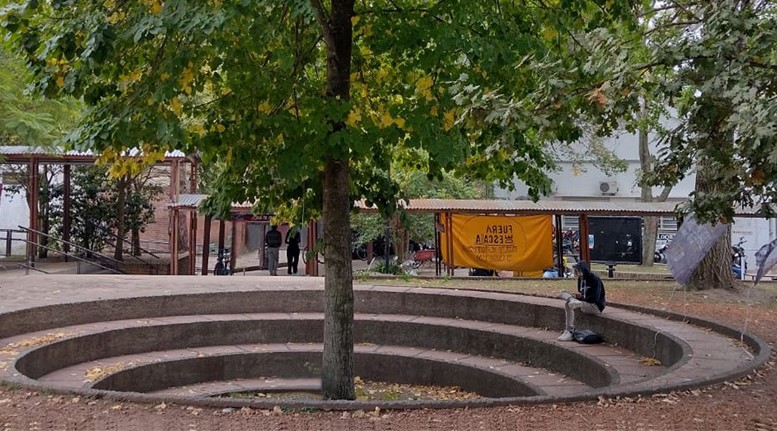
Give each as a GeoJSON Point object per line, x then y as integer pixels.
{"type": "Point", "coordinates": [337, 380]}
{"type": "Point", "coordinates": [337, 367]}
{"type": "Point", "coordinates": [714, 271]}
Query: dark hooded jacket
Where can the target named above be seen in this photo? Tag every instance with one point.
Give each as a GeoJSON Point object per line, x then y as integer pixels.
{"type": "Point", "coordinates": [590, 286]}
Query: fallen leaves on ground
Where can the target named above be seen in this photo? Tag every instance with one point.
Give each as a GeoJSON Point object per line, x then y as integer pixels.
{"type": "Point", "coordinates": [97, 373]}
{"type": "Point", "coordinates": [653, 362]}
{"type": "Point", "coordinates": [13, 348]}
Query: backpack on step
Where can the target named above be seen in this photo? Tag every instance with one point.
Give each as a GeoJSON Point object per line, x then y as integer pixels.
{"type": "Point", "coordinates": [587, 336]}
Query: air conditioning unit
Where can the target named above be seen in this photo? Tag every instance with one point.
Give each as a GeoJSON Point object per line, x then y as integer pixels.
{"type": "Point", "coordinates": [608, 188]}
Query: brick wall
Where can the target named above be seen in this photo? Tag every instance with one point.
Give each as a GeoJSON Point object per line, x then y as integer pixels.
{"type": "Point", "coordinates": [156, 236]}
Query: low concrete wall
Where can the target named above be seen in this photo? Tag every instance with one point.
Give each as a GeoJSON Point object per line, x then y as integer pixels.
{"type": "Point", "coordinates": [507, 309]}
{"type": "Point", "coordinates": [306, 329]}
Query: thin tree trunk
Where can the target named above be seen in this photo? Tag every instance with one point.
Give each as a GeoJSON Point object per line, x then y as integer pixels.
{"type": "Point", "coordinates": [118, 253]}
{"type": "Point", "coordinates": [136, 242]}
{"type": "Point", "coordinates": [337, 376]}
{"type": "Point", "coordinates": [650, 222]}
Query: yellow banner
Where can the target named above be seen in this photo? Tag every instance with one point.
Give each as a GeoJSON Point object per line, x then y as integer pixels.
{"type": "Point", "coordinates": [523, 244]}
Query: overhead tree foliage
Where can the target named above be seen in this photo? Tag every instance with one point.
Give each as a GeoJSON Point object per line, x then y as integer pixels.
{"type": "Point", "coordinates": [713, 65]}
{"type": "Point", "coordinates": [310, 99]}
{"type": "Point", "coordinates": [29, 119]}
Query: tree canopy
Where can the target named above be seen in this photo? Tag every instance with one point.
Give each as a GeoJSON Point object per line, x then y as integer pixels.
{"type": "Point", "coordinates": [29, 119]}
{"type": "Point", "coordinates": [311, 99]}
{"type": "Point", "coordinates": [242, 83]}
{"type": "Point", "coordinates": [712, 66]}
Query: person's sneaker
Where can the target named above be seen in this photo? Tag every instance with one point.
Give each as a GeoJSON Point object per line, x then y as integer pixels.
{"type": "Point", "coordinates": [574, 303]}
{"type": "Point", "coordinates": [566, 336]}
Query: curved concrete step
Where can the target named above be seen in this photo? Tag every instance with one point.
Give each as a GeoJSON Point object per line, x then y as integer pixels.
{"type": "Point", "coordinates": [625, 366]}
{"type": "Point", "coordinates": [694, 356]}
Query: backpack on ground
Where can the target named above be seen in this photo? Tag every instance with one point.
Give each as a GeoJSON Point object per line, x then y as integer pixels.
{"type": "Point", "coordinates": [587, 336]}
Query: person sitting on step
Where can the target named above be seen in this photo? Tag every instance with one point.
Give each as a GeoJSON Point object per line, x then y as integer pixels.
{"type": "Point", "coordinates": [589, 299]}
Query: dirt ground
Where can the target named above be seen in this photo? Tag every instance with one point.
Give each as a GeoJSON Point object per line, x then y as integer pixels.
{"type": "Point", "coordinates": [746, 404]}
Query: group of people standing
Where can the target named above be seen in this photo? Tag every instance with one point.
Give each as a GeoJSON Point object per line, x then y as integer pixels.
{"type": "Point", "coordinates": [273, 240]}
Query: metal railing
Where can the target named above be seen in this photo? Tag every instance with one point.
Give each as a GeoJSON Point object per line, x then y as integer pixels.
{"type": "Point", "coordinates": [125, 241]}
{"type": "Point", "coordinates": [101, 257]}
{"type": "Point", "coordinates": [7, 234]}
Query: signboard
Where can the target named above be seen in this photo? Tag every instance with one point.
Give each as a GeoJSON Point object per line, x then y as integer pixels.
{"type": "Point", "coordinates": [615, 239]}
{"type": "Point", "coordinates": [509, 243]}
{"type": "Point", "coordinates": [691, 244]}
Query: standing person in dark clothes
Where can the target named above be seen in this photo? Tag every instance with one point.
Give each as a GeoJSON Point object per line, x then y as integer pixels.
{"type": "Point", "coordinates": [589, 299]}
{"type": "Point", "coordinates": [273, 242]}
{"type": "Point", "coordinates": [292, 249]}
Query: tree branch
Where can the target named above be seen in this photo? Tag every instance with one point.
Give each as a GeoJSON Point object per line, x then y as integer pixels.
{"type": "Point", "coordinates": [323, 21]}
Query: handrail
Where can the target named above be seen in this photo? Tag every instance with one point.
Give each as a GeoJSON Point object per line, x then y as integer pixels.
{"type": "Point", "coordinates": [66, 254]}
{"type": "Point", "coordinates": [76, 246]}
{"type": "Point", "coordinates": [24, 265]}
{"type": "Point", "coordinates": [9, 239]}
{"type": "Point", "coordinates": [126, 241]}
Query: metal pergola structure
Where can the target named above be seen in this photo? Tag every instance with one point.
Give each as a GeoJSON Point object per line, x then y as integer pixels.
{"type": "Point", "coordinates": [34, 157]}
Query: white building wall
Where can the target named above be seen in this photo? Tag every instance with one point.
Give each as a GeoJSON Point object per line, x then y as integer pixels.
{"type": "Point", "coordinates": [14, 212]}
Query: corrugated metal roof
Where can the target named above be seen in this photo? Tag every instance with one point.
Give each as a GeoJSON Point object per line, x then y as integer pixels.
{"type": "Point", "coordinates": [26, 150]}
{"type": "Point", "coordinates": [496, 206]}
{"type": "Point", "coordinates": [193, 201]}
{"type": "Point", "coordinates": [188, 201]}
{"type": "Point", "coordinates": [560, 207]}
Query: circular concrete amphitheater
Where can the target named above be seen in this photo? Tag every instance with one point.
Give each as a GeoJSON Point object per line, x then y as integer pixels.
{"type": "Point", "coordinates": [191, 340]}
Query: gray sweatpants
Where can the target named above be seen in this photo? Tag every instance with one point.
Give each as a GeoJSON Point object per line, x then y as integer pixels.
{"type": "Point", "coordinates": [569, 309]}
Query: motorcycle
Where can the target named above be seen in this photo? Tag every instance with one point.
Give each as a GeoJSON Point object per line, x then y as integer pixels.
{"type": "Point", "coordinates": [660, 255]}
{"type": "Point", "coordinates": [738, 261]}
{"type": "Point", "coordinates": [570, 241]}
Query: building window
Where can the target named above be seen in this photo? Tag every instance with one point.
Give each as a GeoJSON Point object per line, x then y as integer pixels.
{"type": "Point", "coordinates": [570, 222]}
{"type": "Point", "coordinates": [667, 223]}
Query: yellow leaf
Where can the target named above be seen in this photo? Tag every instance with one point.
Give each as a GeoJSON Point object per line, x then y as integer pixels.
{"type": "Point", "coordinates": [165, 76]}
{"type": "Point", "coordinates": [449, 119]}
{"type": "Point", "coordinates": [220, 127]}
{"type": "Point", "coordinates": [354, 20]}
{"type": "Point", "coordinates": [156, 7]}
{"type": "Point", "coordinates": [176, 106]}
{"type": "Point", "coordinates": [187, 76]}
{"type": "Point", "coordinates": [400, 122]}
{"type": "Point", "coordinates": [60, 81]}
{"type": "Point", "coordinates": [354, 117]}
{"type": "Point", "coordinates": [265, 107]}
{"type": "Point", "coordinates": [423, 86]}
{"type": "Point", "coordinates": [386, 120]}
{"type": "Point", "coordinates": [549, 33]}
{"type": "Point", "coordinates": [116, 17]}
